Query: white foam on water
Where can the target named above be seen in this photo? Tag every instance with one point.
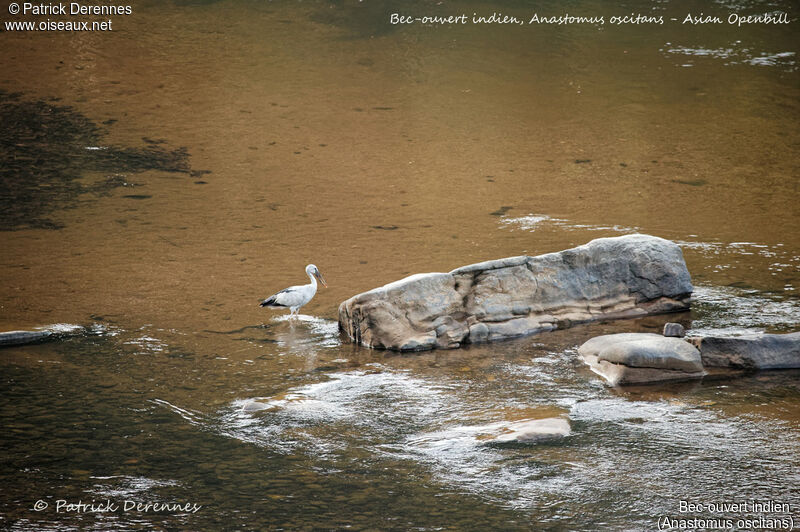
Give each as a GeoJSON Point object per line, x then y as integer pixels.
{"type": "Point", "coordinates": [736, 53]}
{"type": "Point", "coordinates": [528, 222]}
{"type": "Point", "coordinates": [531, 222]}
{"type": "Point", "coordinates": [375, 404]}
{"type": "Point", "coordinates": [120, 487]}
{"type": "Point", "coordinates": [63, 328]}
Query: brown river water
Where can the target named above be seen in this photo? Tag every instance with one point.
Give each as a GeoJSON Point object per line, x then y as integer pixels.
{"type": "Point", "coordinates": [158, 180]}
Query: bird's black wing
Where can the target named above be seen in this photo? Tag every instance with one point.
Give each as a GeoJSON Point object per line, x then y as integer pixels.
{"type": "Point", "coordinates": [271, 300]}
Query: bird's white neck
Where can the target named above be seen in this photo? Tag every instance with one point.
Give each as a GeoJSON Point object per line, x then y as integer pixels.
{"type": "Point", "coordinates": [313, 280]}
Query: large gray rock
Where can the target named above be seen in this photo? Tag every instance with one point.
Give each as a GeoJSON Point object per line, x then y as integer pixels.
{"type": "Point", "coordinates": [766, 351]}
{"type": "Point", "coordinates": [621, 277]}
{"type": "Point", "coordinates": [634, 358]}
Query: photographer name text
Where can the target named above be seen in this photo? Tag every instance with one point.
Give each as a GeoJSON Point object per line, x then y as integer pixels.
{"type": "Point", "coordinates": [63, 506]}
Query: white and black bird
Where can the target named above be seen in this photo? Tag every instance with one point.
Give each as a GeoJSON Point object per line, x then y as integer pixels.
{"type": "Point", "coordinates": [295, 297]}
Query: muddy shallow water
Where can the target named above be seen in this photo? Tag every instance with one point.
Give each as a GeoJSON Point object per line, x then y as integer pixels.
{"type": "Point", "coordinates": [161, 178]}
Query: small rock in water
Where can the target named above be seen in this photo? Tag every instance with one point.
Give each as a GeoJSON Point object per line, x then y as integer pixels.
{"type": "Point", "coordinates": [674, 330]}
{"type": "Point", "coordinates": [254, 406]}
{"type": "Point", "coordinates": [534, 430]}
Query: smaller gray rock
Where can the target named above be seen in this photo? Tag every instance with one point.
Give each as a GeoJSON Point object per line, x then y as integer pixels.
{"type": "Point", "coordinates": [765, 351]}
{"type": "Point", "coordinates": [594, 345]}
{"type": "Point", "coordinates": [634, 358]}
{"type": "Point", "coordinates": [661, 353]}
{"type": "Point", "coordinates": [674, 330]}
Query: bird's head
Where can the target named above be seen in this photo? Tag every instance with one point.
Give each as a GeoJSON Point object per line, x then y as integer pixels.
{"type": "Point", "coordinates": [313, 270]}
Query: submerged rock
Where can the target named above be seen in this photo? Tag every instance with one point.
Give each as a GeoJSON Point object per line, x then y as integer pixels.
{"type": "Point", "coordinates": [766, 351]}
{"type": "Point", "coordinates": [621, 277]}
{"type": "Point", "coordinates": [633, 358]}
{"type": "Point", "coordinates": [52, 332]}
{"type": "Point", "coordinates": [255, 406]}
{"type": "Point", "coordinates": [533, 430]}
{"type": "Point", "coordinates": [22, 337]}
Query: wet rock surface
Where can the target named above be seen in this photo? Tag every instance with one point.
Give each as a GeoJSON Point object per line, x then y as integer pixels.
{"type": "Point", "coordinates": [621, 277]}
{"type": "Point", "coordinates": [674, 330]}
{"type": "Point", "coordinates": [637, 358]}
{"type": "Point", "coordinates": [52, 332]}
{"type": "Point", "coordinates": [757, 352]}
{"type": "Point", "coordinates": [22, 337]}
{"type": "Point", "coordinates": [633, 358]}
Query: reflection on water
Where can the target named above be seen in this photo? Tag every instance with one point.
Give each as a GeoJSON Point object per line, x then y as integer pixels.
{"type": "Point", "coordinates": [45, 151]}
{"type": "Point", "coordinates": [377, 151]}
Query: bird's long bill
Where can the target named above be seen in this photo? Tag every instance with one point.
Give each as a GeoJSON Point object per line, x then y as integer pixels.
{"type": "Point", "coordinates": [318, 275]}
